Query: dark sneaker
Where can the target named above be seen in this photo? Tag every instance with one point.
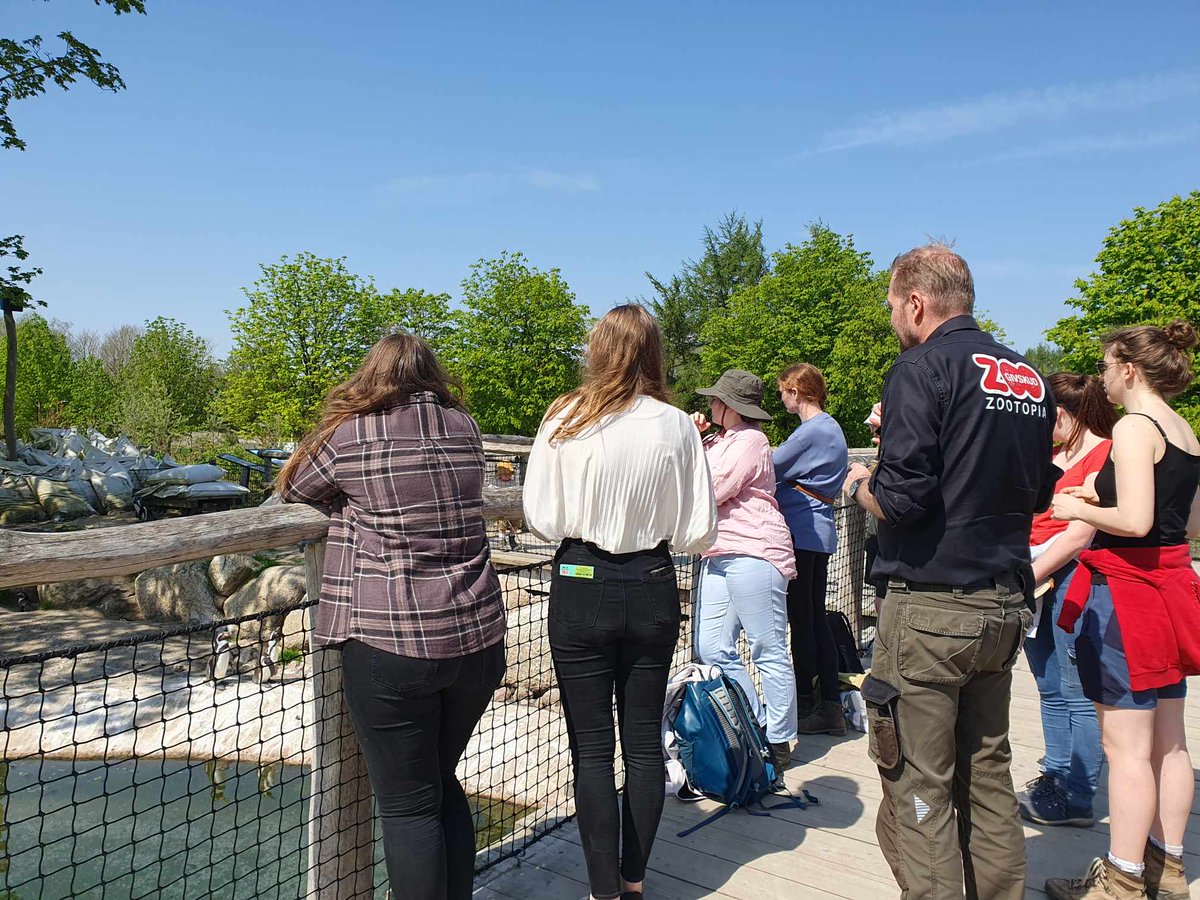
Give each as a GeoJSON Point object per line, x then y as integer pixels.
{"type": "Point", "coordinates": [781, 755]}
{"type": "Point", "coordinates": [1048, 803]}
{"type": "Point", "coordinates": [828, 718]}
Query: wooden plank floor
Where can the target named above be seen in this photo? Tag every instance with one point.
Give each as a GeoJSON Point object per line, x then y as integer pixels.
{"type": "Point", "coordinates": [824, 851]}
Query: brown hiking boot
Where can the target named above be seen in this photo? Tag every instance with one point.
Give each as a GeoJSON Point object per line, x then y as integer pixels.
{"type": "Point", "coordinates": [827, 718]}
{"type": "Point", "coordinates": [1165, 879]}
{"type": "Point", "coordinates": [1103, 881]}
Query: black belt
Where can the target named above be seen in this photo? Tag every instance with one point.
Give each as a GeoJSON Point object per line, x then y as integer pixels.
{"type": "Point", "coordinates": [1097, 578]}
{"type": "Point", "coordinates": [984, 584]}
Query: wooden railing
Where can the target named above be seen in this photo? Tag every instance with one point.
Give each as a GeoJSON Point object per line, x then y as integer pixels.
{"type": "Point", "coordinates": [340, 824]}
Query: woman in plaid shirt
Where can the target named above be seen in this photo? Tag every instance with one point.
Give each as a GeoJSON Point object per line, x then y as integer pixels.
{"type": "Point", "coordinates": [409, 594]}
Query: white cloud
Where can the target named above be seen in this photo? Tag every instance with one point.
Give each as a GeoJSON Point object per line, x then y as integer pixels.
{"type": "Point", "coordinates": [1082, 145]}
{"type": "Point", "coordinates": [926, 124]}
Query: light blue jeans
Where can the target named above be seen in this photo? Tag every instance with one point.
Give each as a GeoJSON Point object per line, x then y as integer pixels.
{"type": "Point", "coordinates": [744, 593]}
{"type": "Point", "coordinates": [1069, 725]}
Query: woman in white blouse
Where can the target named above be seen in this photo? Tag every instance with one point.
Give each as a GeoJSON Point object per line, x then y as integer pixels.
{"type": "Point", "coordinates": [617, 477]}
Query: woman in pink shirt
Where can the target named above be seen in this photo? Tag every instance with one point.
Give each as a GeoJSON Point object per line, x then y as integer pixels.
{"type": "Point", "coordinates": [745, 575]}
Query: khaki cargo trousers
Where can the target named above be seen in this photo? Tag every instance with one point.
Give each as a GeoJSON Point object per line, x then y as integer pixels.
{"type": "Point", "coordinates": [938, 704]}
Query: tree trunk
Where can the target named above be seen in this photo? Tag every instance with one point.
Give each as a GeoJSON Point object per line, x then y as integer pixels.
{"type": "Point", "coordinates": [10, 383]}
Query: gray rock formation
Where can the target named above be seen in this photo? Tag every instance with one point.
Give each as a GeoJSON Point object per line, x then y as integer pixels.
{"type": "Point", "coordinates": [277, 586]}
{"type": "Point", "coordinates": [530, 670]}
{"type": "Point", "coordinates": [232, 571]}
{"type": "Point", "coordinates": [179, 593]}
{"type": "Point", "coordinates": [109, 596]}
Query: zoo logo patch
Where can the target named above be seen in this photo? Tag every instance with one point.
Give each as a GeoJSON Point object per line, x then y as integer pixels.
{"type": "Point", "coordinates": [1005, 378]}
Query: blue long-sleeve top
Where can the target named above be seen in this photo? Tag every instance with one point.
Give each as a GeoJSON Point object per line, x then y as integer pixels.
{"type": "Point", "coordinates": [815, 456]}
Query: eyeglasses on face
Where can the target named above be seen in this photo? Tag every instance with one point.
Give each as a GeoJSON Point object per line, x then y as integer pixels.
{"type": "Point", "coordinates": [1101, 367]}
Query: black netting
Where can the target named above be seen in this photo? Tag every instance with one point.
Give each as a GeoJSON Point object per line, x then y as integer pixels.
{"type": "Point", "coordinates": [179, 762]}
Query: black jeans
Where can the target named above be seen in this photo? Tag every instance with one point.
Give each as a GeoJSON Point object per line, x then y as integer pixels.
{"type": "Point", "coordinates": [614, 623]}
{"type": "Point", "coordinates": [413, 718]}
{"type": "Point", "coordinates": [814, 654]}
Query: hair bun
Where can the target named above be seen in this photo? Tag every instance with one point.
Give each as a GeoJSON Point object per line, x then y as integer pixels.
{"type": "Point", "coordinates": [1181, 334]}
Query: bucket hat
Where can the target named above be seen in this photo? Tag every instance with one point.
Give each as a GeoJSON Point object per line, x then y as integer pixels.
{"type": "Point", "coordinates": [742, 392]}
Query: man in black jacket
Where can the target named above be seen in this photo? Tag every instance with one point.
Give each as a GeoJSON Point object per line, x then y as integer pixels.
{"type": "Point", "coordinates": [964, 463]}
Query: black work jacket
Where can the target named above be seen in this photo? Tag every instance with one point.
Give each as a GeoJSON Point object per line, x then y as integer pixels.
{"type": "Point", "coordinates": [964, 459]}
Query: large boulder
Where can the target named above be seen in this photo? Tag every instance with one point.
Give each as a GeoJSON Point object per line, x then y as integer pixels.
{"type": "Point", "coordinates": [179, 593]}
{"type": "Point", "coordinates": [530, 670]}
{"type": "Point", "coordinates": [112, 597]}
{"type": "Point", "coordinates": [232, 571]}
{"type": "Point", "coordinates": [275, 588]}
{"type": "Point", "coordinates": [297, 629]}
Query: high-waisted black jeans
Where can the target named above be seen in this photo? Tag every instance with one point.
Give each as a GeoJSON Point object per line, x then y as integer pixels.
{"type": "Point", "coordinates": [614, 623]}
{"type": "Point", "coordinates": [814, 653]}
{"type": "Point", "coordinates": [413, 718]}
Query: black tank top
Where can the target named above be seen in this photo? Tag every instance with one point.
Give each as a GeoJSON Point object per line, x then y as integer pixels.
{"type": "Point", "coordinates": [1176, 476]}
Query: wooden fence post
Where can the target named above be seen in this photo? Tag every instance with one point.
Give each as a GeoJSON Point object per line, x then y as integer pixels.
{"type": "Point", "coordinates": [341, 821]}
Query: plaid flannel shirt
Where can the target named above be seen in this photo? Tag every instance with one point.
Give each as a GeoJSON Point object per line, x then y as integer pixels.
{"type": "Point", "coordinates": [408, 569]}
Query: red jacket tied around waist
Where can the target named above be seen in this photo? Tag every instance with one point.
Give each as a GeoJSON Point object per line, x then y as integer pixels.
{"type": "Point", "coordinates": [1156, 597]}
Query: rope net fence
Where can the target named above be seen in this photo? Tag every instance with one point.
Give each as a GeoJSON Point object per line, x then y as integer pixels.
{"type": "Point", "coordinates": [177, 762]}
{"type": "Point", "coordinates": [181, 762]}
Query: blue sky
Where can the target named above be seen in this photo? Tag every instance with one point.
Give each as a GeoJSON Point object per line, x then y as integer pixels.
{"type": "Point", "coordinates": [596, 138]}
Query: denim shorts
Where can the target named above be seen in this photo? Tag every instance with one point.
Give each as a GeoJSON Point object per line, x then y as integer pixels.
{"type": "Point", "coordinates": [1103, 667]}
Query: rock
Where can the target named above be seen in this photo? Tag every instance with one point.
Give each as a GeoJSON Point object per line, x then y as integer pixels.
{"type": "Point", "coordinates": [297, 629]}
{"type": "Point", "coordinates": [277, 586]}
{"type": "Point", "coordinates": [522, 589]}
{"type": "Point", "coordinates": [113, 597]}
{"type": "Point", "coordinates": [549, 699]}
{"type": "Point", "coordinates": [232, 571]}
{"type": "Point", "coordinates": [179, 593]}
{"type": "Point", "coordinates": [530, 670]}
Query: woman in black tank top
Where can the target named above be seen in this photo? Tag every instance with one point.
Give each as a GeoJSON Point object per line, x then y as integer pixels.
{"type": "Point", "coordinates": [1143, 507]}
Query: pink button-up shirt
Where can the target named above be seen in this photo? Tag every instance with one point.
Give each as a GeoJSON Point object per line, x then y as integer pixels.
{"type": "Point", "coordinates": [749, 522]}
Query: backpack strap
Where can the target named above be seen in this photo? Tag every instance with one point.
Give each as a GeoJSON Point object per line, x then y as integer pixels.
{"type": "Point", "coordinates": [720, 812]}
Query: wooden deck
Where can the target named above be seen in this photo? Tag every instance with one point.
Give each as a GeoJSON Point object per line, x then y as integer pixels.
{"type": "Point", "coordinates": [824, 851]}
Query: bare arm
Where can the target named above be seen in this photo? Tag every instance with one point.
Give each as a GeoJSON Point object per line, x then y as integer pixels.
{"type": "Point", "coordinates": [1065, 548]}
{"type": "Point", "coordinates": [1135, 443]}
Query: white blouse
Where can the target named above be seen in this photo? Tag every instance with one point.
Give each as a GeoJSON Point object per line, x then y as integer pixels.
{"type": "Point", "coordinates": [628, 483]}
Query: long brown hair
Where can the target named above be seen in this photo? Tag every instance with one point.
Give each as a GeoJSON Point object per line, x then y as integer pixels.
{"type": "Point", "coordinates": [1163, 354]}
{"type": "Point", "coordinates": [394, 369]}
{"type": "Point", "coordinates": [1084, 397]}
{"type": "Point", "coordinates": [624, 359]}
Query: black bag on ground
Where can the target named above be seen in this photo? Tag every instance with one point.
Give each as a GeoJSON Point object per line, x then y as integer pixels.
{"type": "Point", "coordinates": [843, 637]}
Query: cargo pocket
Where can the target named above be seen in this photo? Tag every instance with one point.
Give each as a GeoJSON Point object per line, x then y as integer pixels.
{"type": "Point", "coordinates": [939, 645]}
{"type": "Point", "coordinates": [883, 738]}
{"type": "Point", "coordinates": [1025, 619]}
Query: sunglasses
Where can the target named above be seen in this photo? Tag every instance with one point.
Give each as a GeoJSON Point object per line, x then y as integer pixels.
{"type": "Point", "coordinates": [1101, 367]}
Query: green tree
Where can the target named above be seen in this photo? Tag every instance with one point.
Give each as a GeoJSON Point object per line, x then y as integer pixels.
{"type": "Point", "coordinates": [183, 364]}
{"type": "Point", "coordinates": [418, 312]}
{"type": "Point", "coordinates": [1046, 358]}
{"type": "Point", "coordinates": [14, 298]}
{"type": "Point", "coordinates": [518, 341]}
{"type": "Point", "coordinates": [93, 395]}
{"type": "Point", "coordinates": [44, 360]}
{"type": "Point", "coordinates": [1148, 273]}
{"type": "Point", "coordinates": [796, 313]}
{"type": "Point", "coordinates": [147, 414]}
{"type": "Point", "coordinates": [306, 324]}
{"type": "Point", "coordinates": [26, 69]}
{"type": "Point", "coordinates": [733, 258]}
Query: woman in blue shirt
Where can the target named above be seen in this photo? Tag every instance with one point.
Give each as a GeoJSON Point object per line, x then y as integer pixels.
{"type": "Point", "coordinates": [810, 467]}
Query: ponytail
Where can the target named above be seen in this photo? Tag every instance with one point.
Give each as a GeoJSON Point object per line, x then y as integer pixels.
{"type": "Point", "coordinates": [1084, 397]}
